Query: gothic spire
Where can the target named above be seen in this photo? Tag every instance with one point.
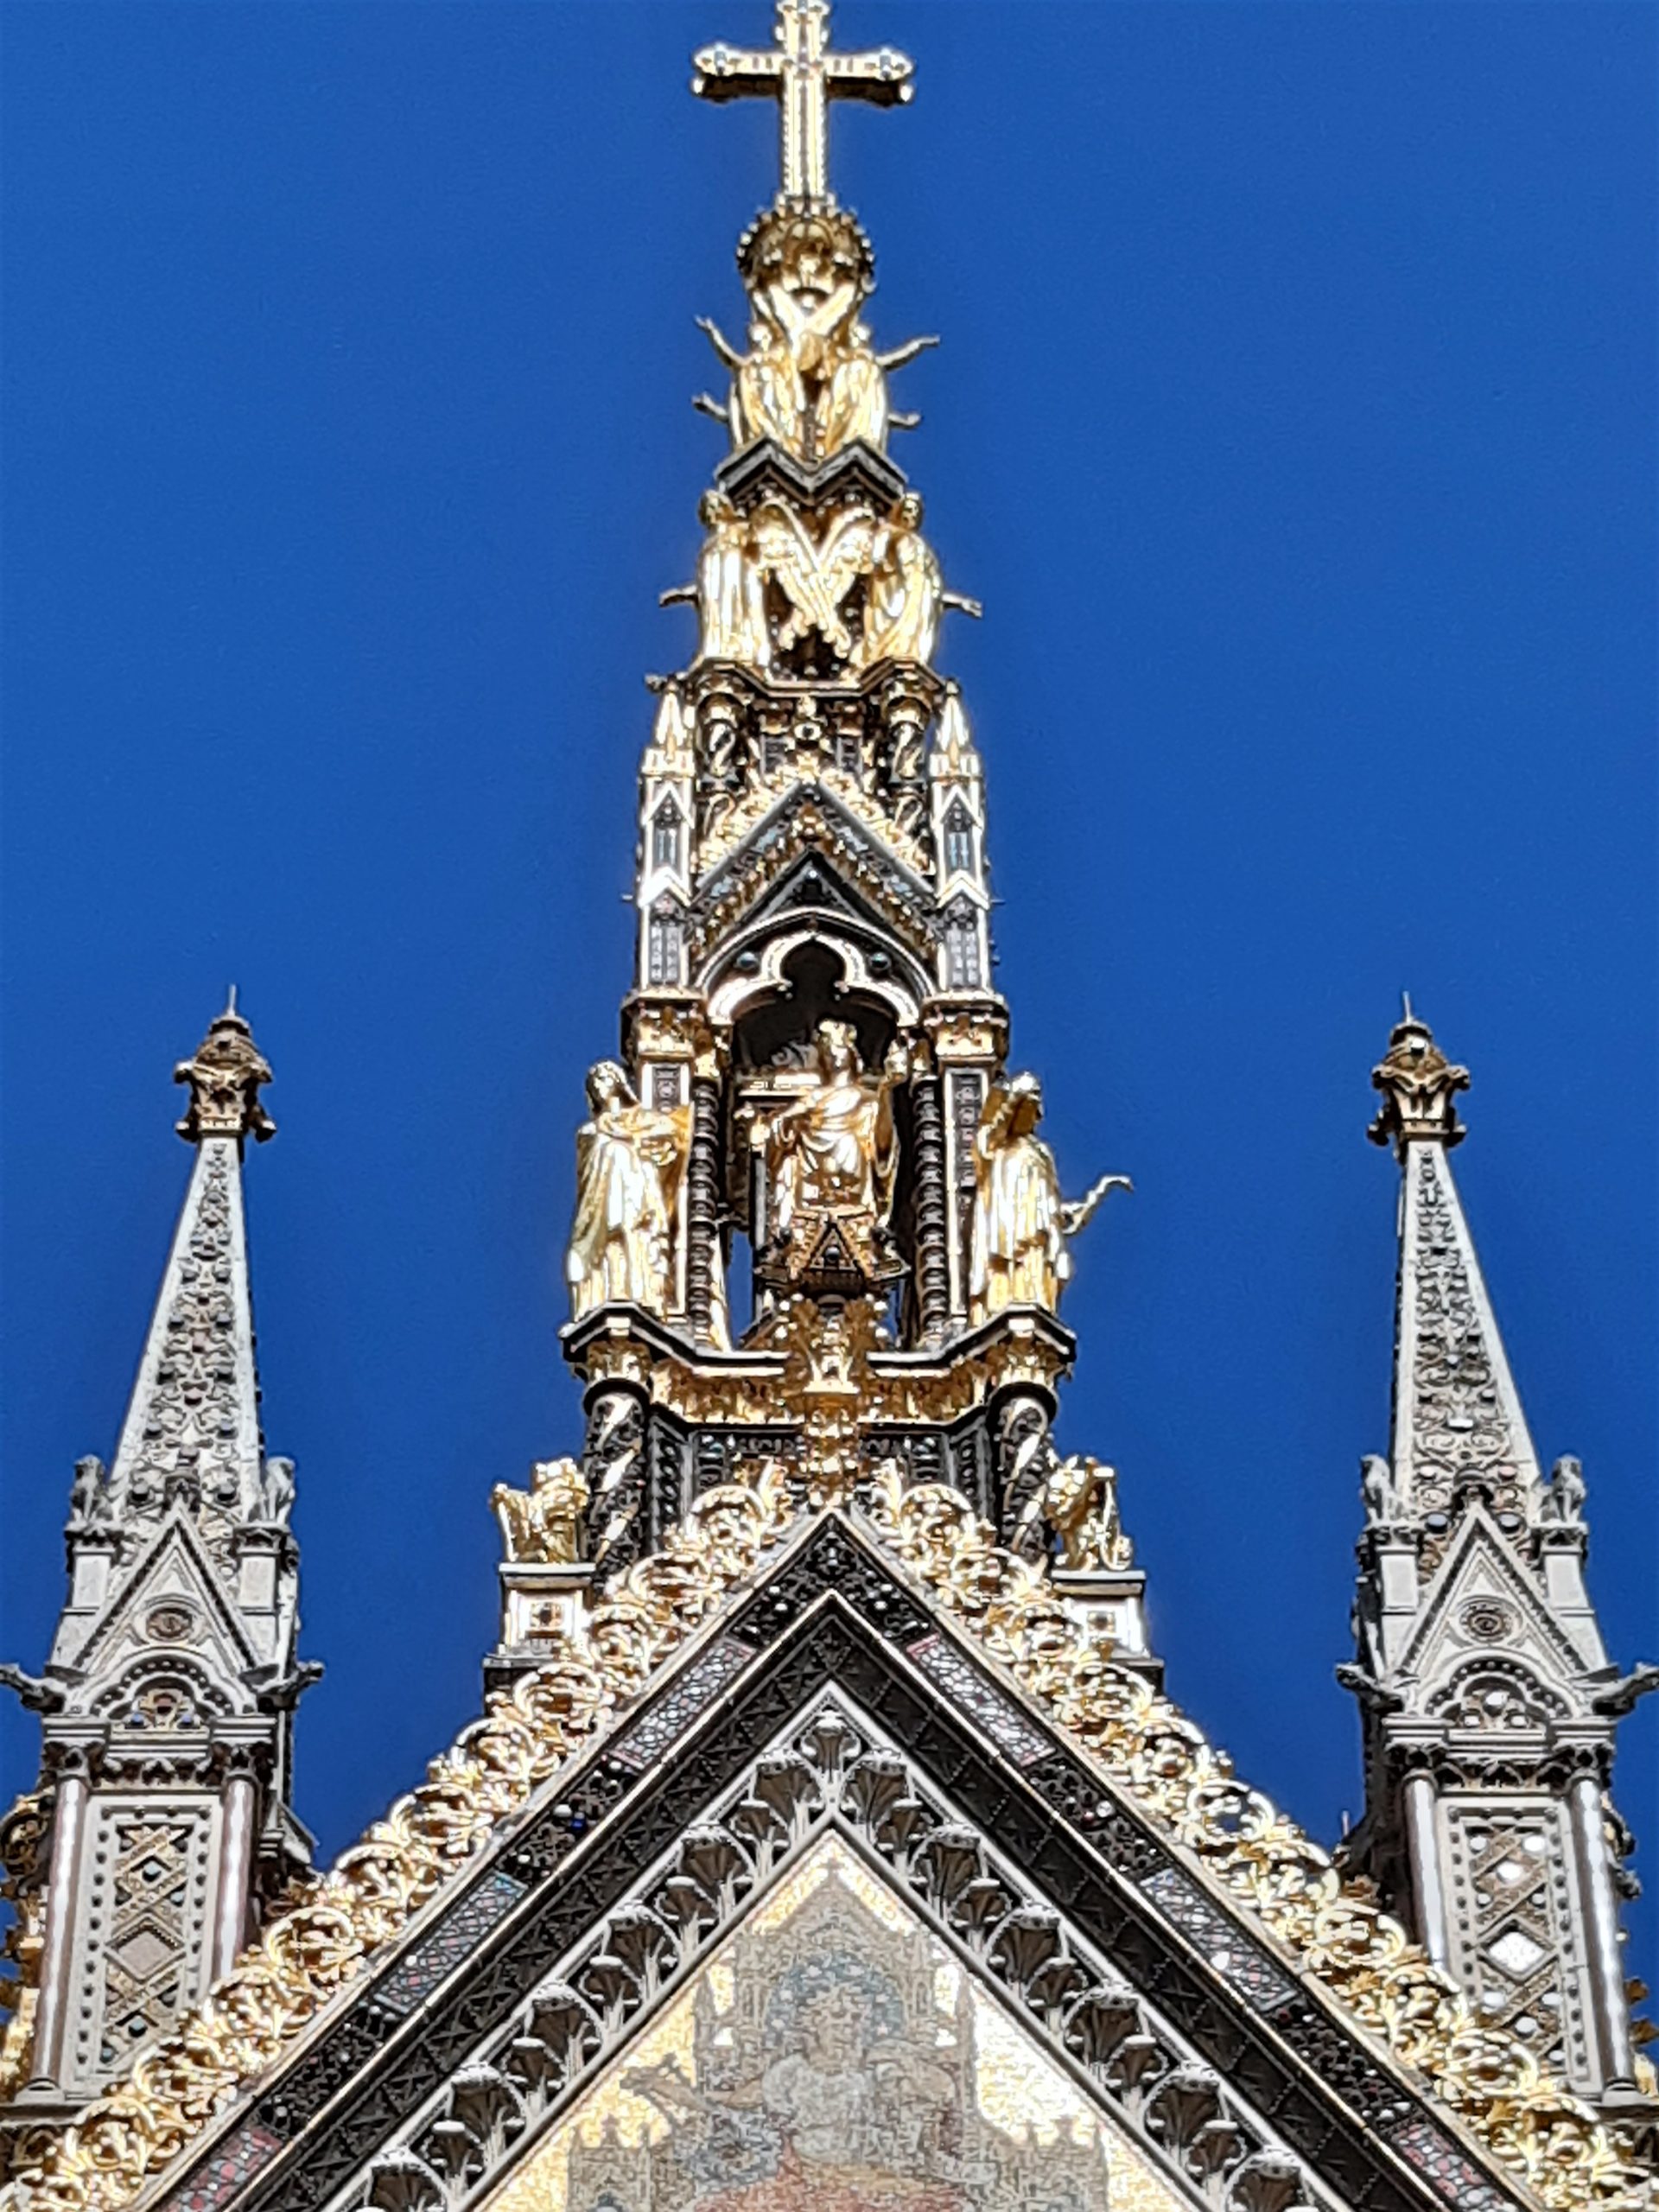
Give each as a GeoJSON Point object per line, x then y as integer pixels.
{"type": "Point", "coordinates": [192, 1431]}
{"type": "Point", "coordinates": [1457, 1424]}
{"type": "Point", "coordinates": [1488, 1702]}
{"type": "Point", "coordinates": [161, 1823]}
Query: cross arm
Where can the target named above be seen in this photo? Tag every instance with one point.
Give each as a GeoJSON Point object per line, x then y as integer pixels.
{"type": "Point", "coordinates": [884, 78]}
{"type": "Point", "coordinates": [735, 73]}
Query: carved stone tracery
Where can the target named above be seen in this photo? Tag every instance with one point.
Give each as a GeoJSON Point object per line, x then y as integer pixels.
{"type": "Point", "coordinates": [833, 1774]}
{"type": "Point", "coordinates": [1461, 1433]}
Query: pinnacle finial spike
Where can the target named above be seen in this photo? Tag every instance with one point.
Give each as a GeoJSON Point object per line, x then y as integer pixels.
{"type": "Point", "coordinates": [225, 1077]}
{"type": "Point", "coordinates": [1419, 1086]}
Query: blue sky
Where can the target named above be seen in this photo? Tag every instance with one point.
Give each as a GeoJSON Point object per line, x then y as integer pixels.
{"type": "Point", "coordinates": [1294, 421]}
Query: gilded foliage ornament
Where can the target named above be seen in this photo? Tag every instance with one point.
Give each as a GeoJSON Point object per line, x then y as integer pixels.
{"type": "Point", "coordinates": [282, 1981]}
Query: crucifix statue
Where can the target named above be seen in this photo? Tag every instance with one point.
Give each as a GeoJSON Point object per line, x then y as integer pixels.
{"type": "Point", "coordinates": [803, 75]}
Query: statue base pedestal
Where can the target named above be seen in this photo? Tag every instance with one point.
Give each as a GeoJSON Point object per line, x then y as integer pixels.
{"type": "Point", "coordinates": [543, 1603]}
{"type": "Point", "coordinates": [1114, 1599]}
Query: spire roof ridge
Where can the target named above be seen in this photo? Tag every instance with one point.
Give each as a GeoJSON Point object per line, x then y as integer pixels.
{"type": "Point", "coordinates": [1459, 1428]}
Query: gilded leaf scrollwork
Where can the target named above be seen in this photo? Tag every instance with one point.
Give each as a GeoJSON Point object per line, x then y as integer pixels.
{"type": "Point", "coordinates": [1491, 2080]}
{"type": "Point", "coordinates": [279, 1984]}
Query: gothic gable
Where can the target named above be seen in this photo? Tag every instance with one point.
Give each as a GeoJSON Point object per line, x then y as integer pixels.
{"type": "Point", "coordinates": [832, 1699]}
{"type": "Point", "coordinates": [1482, 1600]}
{"type": "Point", "coordinates": [171, 1612]}
{"type": "Point", "coordinates": [811, 818]}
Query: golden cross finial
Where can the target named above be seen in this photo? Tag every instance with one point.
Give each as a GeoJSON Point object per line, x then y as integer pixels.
{"type": "Point", "coordinates": [803, 75]}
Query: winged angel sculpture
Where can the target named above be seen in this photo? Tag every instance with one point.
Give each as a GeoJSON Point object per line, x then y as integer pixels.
{"type": "Point", "coordinates": [811, 381]}
{"type": "Point", "coordinates": [814, 578]}
{"type": "Point", "coordinates": [903, 599]}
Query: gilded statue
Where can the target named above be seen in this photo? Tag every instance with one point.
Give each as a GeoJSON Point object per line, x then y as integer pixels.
{"type": "Point", "coordinates": [1079, 1501]}
{"type": "Point", "coordinates": [831, 1156]}
{"type": "Point", "coordinates": [730, 592]}
{"type": "Point", "coordinates": [815, 576]}
{"type": "Point", "coordinates": [905, 595]}
{"type": "Point", "coordinates": [768, 396]}
{"type": "Point", "coordinates": [811, 381]}
{"type": "Point", "coordinates": [542, 1526]}
{"type": "Point", "coordinates": [1021, 1221]}
{"type": "Point", "coordinates": [630, 1163]}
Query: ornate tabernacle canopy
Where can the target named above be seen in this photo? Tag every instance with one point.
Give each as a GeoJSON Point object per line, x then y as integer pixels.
{"type": "Point", "coordinates": [827, 1842]}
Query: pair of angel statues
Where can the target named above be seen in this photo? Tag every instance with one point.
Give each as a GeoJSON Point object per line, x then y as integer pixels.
{"type": "Point", "coordinates": [831, 1152]}
{"type": "Point", "coordinates": [904, 595]}
{"type": "Point", "coordinates": [811, 380]}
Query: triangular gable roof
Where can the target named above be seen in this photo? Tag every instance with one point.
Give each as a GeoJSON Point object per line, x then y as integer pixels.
{"type": "Point", "coordinates": [178, 1543]}
{"type": "Point", "coordinates": [814, 817]}
{"type": "Point", "coordinates": [1479, 1558]}
{"type": "Point", "coordinates": [1327, 2018]}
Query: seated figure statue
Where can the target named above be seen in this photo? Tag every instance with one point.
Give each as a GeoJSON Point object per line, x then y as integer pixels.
{"type": "Point", "coordinates": [831, 1158]}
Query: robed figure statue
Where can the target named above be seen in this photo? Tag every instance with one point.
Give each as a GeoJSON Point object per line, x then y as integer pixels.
{"type": "Point", "coordinates": [630, 1163]}
{"type": "Point", "coordinates": [831, 1157]}
{"type": "Point", "coordinates": [1021, 1221]}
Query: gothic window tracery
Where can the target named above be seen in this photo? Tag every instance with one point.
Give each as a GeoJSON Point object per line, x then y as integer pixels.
{"type": "Point", "coordinates": [1495, 1696]}
{"type": "Point", "coordinates": [664, 943]}
{"type": "Point", "coordinates": [962, 965]}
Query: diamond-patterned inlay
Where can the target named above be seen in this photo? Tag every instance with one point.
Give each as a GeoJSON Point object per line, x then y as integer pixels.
{"type": "Point", "coordinates": [1516, 1952]}
{"type": "Point", "coordinates": [1512, 1926]}
{"type": "Point", "coordinates": [142, 1952]}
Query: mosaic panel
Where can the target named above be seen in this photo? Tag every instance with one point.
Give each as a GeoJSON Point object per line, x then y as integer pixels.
{"type": "Point", "coordinates": [833, 2057]}
{"type": "Point", "coordinates": [1450, 2174]}
{"type": "Point", "coordinates": [450, 1942]}
{"type": "Point", "coordinates": [1238, 1961]}
{"type": "Point", "coordinates": [1001, 1720]}
{"type": "Point", "coordinates": [215, 2184]}
{"type": "Point", "coordinates": [644, 1743]}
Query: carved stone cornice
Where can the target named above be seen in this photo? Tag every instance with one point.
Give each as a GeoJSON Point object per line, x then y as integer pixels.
{"type": "Point", "coordinates": [765, 470]}
{"type": "Point", "coordinates": [787, 1371]}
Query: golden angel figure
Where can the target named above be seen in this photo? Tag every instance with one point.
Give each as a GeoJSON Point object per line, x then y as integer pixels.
{"type": "Point", "coordinates": [630, 1163]}
{"type": "Point", "coordinates": [768, 397]}
{"type": "Point", "coordinates": [730, 592]}
{"type": "Point", "coordinates": [906, 589]}
{"type": "Point", "coordinates": [814, 577]}
{"type": "Point", "coordinates": [1021, 1221]}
